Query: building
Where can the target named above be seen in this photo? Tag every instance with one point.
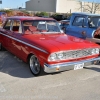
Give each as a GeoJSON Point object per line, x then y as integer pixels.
{"type": "Point", "coordinates": [62, 6]}
{"type": "Point", "coordinates": [57, 6]}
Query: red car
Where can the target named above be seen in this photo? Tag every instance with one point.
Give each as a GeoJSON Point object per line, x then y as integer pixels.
{"type": "Point", "coordinates": [41, 43]}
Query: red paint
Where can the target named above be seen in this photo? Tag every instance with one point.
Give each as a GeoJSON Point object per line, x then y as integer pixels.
{"type": "Point", "coordinates": [16, 43]}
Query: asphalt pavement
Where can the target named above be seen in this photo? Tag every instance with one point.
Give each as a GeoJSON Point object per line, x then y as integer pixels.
{"type": "Point", "coordinates": [17, 82]}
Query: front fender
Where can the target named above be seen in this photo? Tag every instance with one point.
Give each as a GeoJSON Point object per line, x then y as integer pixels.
{"type": "Point", "coordinates": [90, 33]}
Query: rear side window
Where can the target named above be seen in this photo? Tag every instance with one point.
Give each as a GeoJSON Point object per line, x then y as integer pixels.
{"type": "Point", "coordinates": [16, 26]}
{"type": "Point", "coordinates": [13, 25]}
{"type": "Point", "coordinates": [7, 26]}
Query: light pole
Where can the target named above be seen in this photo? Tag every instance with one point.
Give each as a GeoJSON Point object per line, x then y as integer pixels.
{"type": "Point", "coordinates": [82, 6]}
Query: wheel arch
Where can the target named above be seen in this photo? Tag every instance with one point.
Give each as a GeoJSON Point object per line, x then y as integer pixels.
{"type": "Point", "coordinates": [29, 57]}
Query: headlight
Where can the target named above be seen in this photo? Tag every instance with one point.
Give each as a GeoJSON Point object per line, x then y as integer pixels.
{"type": "Point", "coordinates": [56, 56]}
{"type": "Point", "coordinates": [53, 57]}
{"type": "Point", "coordinates": [60, 55]}
{"type": "Point", "coordinates": [95, 51]}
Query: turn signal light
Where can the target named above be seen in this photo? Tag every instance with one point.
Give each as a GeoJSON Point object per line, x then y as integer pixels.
{"type": "Point", "coordinates": [57, 69]}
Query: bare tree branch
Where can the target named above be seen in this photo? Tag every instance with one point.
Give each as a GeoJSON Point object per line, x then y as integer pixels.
{"type": "Point", "coordinates": [90, 7]}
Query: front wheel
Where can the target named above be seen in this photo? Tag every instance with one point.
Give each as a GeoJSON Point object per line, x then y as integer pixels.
{"type": "Point", "coordinates": [34, 65]}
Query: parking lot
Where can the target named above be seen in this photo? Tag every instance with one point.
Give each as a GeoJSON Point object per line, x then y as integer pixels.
{"type": "Point", "coordinates": [17, 82]}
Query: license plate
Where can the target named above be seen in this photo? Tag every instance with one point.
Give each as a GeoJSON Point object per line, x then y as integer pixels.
{"type": "Point", "coordinates": [78, 66]}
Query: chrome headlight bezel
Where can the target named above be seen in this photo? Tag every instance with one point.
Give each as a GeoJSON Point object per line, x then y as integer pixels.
{"type": "Point", "coordinates": [60, 55]}
{"type": "Point", "coordinates": [95, 51]}
{"type": "Point", "coordinates": [52, 57]}
{"type": "Point", "coordinates": [56, 56]}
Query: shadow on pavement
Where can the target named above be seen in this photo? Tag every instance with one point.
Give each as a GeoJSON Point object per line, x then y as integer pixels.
{"type": "Point", "coordinates": [93, 68]}
{"type": "Point", "coordinates": [11, 65]}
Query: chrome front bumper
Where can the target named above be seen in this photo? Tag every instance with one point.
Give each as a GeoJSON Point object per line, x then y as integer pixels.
{"type": "Point", "coordinates": [50, 68]}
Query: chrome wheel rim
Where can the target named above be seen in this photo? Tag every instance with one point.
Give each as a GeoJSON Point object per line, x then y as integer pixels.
{"type": "Point", "coordinates": [34, 65]}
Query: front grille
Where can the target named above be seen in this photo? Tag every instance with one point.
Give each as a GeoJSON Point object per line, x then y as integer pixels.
{"type": "Point", "coordinates": [78, 54]}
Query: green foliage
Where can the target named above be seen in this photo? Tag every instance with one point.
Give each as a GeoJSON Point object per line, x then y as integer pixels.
{"type": "Point", "coordinates": [6, 11]}
{"type": "Point", "coordinates": [42, 14]}
{"type": "Point", "coordinates": [54, 15]}
{"type": "Point", "coordinates": [26, 12]}
{"type": "Point", "coordinates": [68, 15]}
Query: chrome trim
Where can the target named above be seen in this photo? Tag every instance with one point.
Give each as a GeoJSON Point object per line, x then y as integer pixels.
{"type": "Point", "coordinates": [74, 54]}
{"type": "Point", "coordinates": [49, 68]}
{"type": "Point", "coordinates": [93, 33]}
{"type": "Point", "coordinates": [25, 43]}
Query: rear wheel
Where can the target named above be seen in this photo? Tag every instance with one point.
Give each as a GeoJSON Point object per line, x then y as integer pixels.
{"type": "Point", "coordinates": [34, 65]}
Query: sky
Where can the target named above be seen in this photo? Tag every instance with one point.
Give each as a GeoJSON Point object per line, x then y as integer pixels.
{"type": "Point", "coordinates": [21, 3]}
{"type": "Point", "coordinates": [13, 3]}
{"type": "Point", "coordinates": [97, 1]}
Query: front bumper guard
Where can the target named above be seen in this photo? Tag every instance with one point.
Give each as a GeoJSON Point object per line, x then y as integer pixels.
{"type": "Point", "coordinates": [50, 68]}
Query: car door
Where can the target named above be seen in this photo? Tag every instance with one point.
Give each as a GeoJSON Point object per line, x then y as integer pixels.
{"type": "Point", "coordinates": [16, 37]}
{"type": "Point", "coordinates": [78, 27]}
{"type": "Point", "coordinates": [6, 35]}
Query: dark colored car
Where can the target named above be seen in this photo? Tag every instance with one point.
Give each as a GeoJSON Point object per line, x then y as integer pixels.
{"type": "Point", "coordinates": [59, 17]}
{"type": "Point", "coordinates": [3, 16]}
{"type": "Point", "coordinates": [64, 24]}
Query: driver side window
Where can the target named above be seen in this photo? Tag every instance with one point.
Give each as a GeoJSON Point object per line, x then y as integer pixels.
{"type": "Point", "coordinates": [79, 21]}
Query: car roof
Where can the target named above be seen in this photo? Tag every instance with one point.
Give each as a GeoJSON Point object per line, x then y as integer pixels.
{"type": "Point", "coordinates": [28, 18]}
{"type": "Point", "coordinates": [84, 13]}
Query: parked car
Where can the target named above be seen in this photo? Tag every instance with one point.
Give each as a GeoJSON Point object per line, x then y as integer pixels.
{"type": "Point", "coordinates": [40, 43]}
{"type": "Point", "coordinates": [63, 24]}
{"type": "Point", "coordinates": [59, 17]}
{"type": "Point", "coordinates": [3, 16]}
{"type": "Point", "coordinates": [85, 25]}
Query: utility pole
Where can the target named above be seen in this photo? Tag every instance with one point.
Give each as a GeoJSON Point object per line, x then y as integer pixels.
{"type": "Point", "coordinates": [92, 6]}
{"type": "Point", "coordinates": [82, 6]}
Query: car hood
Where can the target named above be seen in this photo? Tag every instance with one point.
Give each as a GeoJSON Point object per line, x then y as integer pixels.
{"type": "Point", "coordinates": [58, 42]}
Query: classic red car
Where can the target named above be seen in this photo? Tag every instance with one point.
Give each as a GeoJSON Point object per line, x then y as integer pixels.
{"type": "Point", "coordinates": [41, 43]}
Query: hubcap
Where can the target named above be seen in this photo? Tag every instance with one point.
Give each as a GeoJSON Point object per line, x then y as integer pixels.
{"type": "Point", "coordinates": [34, 64]}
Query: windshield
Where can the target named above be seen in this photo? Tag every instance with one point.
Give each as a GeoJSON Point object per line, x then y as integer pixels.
{"type": "Point", "coordinates": [38, 26]}
{"type": "Point", "coordinates": [94, 22]}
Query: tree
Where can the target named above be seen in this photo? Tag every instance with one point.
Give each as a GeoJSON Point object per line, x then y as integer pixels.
{"type": "Point", "coordinates": [45, 14]}
{"type": "Point", "coordinates": [91, 7]}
